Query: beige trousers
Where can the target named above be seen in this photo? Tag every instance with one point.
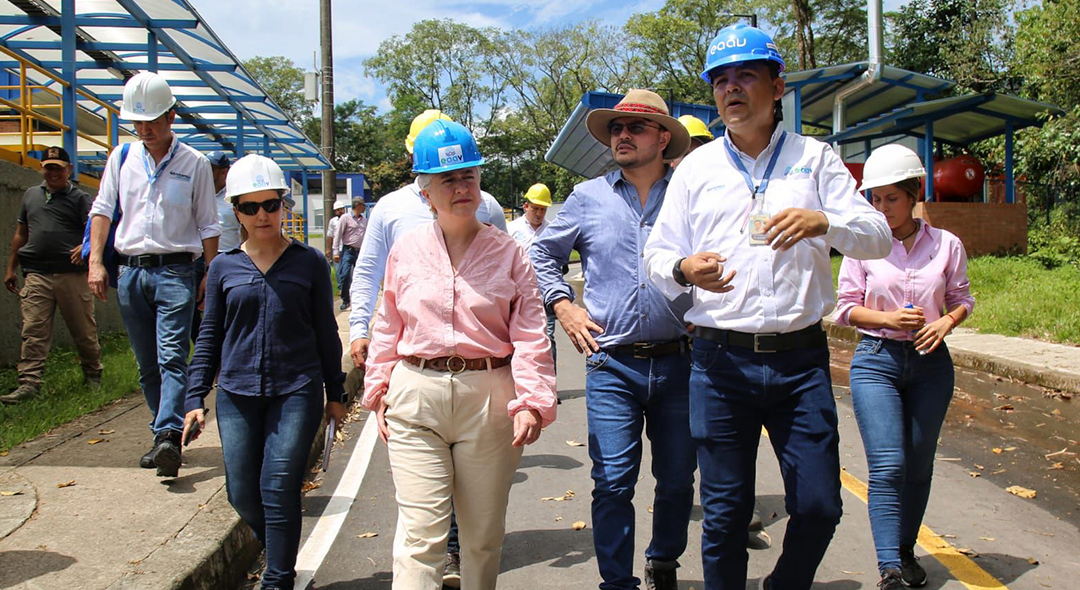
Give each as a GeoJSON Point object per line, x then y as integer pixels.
{"type": "Point", "coordinates": [41, 295]}
{"type": "Point", "coordinates": [450, 438]}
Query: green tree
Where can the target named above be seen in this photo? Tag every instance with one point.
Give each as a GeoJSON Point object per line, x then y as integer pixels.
{"type": "Point", "coordinates": [283, 82]}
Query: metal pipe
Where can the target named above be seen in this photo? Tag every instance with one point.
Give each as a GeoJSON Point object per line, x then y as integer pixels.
{"type": "Point", "coordinates": [875, 41]}
{"type": "Point", "coordinates": [329, 178]}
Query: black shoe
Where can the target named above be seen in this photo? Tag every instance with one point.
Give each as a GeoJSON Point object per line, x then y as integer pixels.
{"type": "Point", "coordinates": [890, 580]}
{"type": "Point", "coordinates": [661, 578]}
{"type": "Point", "coordinates": [451, 575]}
{"type": "Point", "coordinates": [147, 460]}
{"type": "Point", "coordinates": [912, 573]}
{"type": "Point", "coordinates": [167, 453]}
{"type": "Point", "coordinates": [344, 306]}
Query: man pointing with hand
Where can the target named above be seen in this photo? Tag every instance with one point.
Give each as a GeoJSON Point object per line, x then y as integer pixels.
{"type": "Point", "coordinates": [749, 220]}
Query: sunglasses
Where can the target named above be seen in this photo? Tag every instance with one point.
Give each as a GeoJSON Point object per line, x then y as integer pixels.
{"type": "Point", "coordinates": [636, 128]}
{"type": "Point", "coordinates": [252, 207]}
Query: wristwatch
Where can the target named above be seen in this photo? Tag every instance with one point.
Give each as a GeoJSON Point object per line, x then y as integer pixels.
{"type": "Point", "coordinates": [677, 273]}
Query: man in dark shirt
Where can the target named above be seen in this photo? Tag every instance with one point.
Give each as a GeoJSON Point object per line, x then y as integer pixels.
{"type": "Point", "coordinates": [48, 237]}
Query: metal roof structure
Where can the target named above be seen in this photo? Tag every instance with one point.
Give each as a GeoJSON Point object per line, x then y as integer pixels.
{"type": "Point", "coordinates": [578, 151]}
{"type": "Point", "coordinates": [91, 47]}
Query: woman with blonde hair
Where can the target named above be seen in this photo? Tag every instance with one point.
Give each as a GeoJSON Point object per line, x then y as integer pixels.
{"type": "Point", "coordinates": [459, 370]}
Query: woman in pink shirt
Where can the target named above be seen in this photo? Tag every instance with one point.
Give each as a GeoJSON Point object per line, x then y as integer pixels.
{"type": "Point", "coordinates": [902, 374]}
{"type": "Point", "coordinates": [459, 370]}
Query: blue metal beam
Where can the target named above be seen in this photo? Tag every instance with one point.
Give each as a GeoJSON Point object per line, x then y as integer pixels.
{"type": "Point", "coordinates": [84, 82]}
{"type": "Point", "coordinates": [151, 52]}
{"type": "Point", "coordinates": [124, 65]}
{"type": "Point", "coordinates": [928, 160]}
{"type": "Point", "coordinates": [67, 72]}
{"type": "Point", "coordinates": [197, 97]}
{"type": "Point", "coordinates": [797, 107]}
{"type": "Point", "coordinates": [80, 45]}
{"type": "Point", "coordinates": [86, 21]}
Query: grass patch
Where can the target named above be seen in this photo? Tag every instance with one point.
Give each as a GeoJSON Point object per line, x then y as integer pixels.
{"type": "Point", "coordinates": [575, 256]}
{"type": "Point", "coordinates": [63, 397]}
{"type": "Point", "coordinates": [1021, 296]}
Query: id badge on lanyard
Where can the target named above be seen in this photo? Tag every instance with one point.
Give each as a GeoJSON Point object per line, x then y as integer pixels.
{"type": "Point", "coordinates": [153, 175]}
{"type": "Point", "coordinates": [756, 215]}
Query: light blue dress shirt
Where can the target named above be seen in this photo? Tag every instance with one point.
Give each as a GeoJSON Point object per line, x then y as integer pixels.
{"type": "Point", "coordinates": [604, 221]}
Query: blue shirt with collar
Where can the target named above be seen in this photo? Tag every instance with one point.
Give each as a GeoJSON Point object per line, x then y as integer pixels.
{"type": "Point", "coordinates": [270, 334]}
{"type": "Point", "coordinates": [604, 221]}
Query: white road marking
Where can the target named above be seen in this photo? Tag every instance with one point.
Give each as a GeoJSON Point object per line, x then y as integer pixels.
{"type": "Point", "coordinates": [327, 528]}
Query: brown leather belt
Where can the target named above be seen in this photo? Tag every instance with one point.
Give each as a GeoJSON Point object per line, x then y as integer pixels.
{"type": "Point", "coordinates": [456, 364]}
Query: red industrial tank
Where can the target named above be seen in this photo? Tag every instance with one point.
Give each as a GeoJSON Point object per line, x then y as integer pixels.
{"type": "Point", "coordinates": [958, 179]}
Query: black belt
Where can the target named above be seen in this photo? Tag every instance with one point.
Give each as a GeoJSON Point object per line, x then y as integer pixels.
{"type": "Point", "coordinates": [152, 260]}
{"type": "Point", "coordinates": [809, 337]}
{"type": "Point", "coordinates": [651, 350]}
{"type": "Point", "coordinates": [346, 247]}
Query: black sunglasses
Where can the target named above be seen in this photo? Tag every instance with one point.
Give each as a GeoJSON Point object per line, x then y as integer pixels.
{"type": "Point", "coordinates": [636, 128]}
{"type": "Point", "coordinates": [252, 207]}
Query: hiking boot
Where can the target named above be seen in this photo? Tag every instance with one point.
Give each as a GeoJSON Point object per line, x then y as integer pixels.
{"type": "Point", "coordinates": [661, 575]}
{"type": "Point", "coordinates": [451, 574]}
{"type": "Point", "coordinates": [92, 380]}
{"type": "Point", "coordinates": [912, 573]}
{"type": "Point", "coordinates": [22, 393]}
{"type": "Point", "coordinates": [891, 580]}
{"type": "Point", "coordinates": [147, 460]}
{"type": "Point", "coordinates": [166, 453]}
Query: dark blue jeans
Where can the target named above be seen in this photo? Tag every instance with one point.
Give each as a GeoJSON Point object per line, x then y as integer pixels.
{"type": "Point", "coordinates": [900, 400]}
{"type": "Point", "coordinates": [345, 272]}
{"type": "Point", "coordinates": [623, 395]}
{"type": "Point", "coordinates": [733, 393]}
{"type": "Point", "coordinates": [266, 441]}
{"type": "Point", "coordinates": [157, 306]}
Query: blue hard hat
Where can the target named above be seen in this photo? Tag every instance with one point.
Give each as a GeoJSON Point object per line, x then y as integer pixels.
{"type": "Point", "coordinates": [219, 159]}
{"type": "Point", "coordinates": [740, 43]}
{"type": "Point", "coordinates": [444, 146]}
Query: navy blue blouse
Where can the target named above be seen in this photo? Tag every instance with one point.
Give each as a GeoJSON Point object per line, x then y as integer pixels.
{"type": "Point", "coordinates": [270, 334]}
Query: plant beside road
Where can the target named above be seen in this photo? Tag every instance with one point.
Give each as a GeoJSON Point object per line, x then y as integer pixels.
{"type": "Point", "coordinates": [63, 396]}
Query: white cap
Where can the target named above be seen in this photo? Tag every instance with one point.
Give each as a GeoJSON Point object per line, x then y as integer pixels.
{"type": "Point", "coordinates": [254, 173]}
{"type": "Point", "coordinates": [147, 96]}
{"type": "Point", "coordinates": [889, 164]}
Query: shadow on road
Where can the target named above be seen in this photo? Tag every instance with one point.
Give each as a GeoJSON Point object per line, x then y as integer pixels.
{"type": "Point", "coordinates": [564, 548]}
{"type": "Point", "coordinates": [31, 564]}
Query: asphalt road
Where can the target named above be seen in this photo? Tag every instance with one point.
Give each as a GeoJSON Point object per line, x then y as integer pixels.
{"type": "Point", "coordinates": [982, 536]}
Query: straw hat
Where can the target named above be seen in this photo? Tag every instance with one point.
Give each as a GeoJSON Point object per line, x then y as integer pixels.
{"type": "Point", "coordinates": [646, 105]}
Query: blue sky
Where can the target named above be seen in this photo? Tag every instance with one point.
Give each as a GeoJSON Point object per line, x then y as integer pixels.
{"type": "Point", "coordinates": [291, 27]}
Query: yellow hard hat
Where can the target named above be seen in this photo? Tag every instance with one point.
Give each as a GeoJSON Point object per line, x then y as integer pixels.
{"type": "Point", "coordinates": [423, 120]}
{"type": "Point", "coordinates": [539, 194]}
{"type": "Point", "coordinates": [696, 127]}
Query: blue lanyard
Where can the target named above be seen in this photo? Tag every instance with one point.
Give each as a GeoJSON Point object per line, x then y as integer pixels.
{"type": "Point", "coordinates": [768, 169]}
{"type": "Point", "coordinates": [152, 175]}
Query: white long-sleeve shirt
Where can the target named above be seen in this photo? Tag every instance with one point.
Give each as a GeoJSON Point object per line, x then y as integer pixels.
{"type": "Point", "coordinates": [393, 215]}
{"type": "Point", "coordinates": [706, 210]}
{"type": "Point", "coordinates": [230, 225]}
{"type": "Point", "coordinates": [167, 206]}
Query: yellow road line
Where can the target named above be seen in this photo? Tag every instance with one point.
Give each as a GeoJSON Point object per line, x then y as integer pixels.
{"type": "Point", "coordinates": [966, 571]}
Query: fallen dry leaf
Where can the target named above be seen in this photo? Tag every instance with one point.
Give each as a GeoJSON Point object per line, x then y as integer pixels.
{"type": "Point", "coordinates": [310, 485]}
{"type": "Point", "coordinates": [1061, 452]}
{"type": "Point", "coordinates": [558, 518]}
{"type": "Point", "coordinates": [4, 454]}
{"type": "Point", "coordinates": [106, 432]}
{"type": "Point", "coordinates": [968, 551]}
{"type": "Point", "coordinates": [1010, 449]}
{"type": "Point", "coordinates": [578, 525]}
{"type": "Point", "coordinates": [95, 441]}
{"type": "Point", "coordinates": [996, 450]}
{"type": "Point", "coordinates": [10, 493]}
{"type": "Point", "coordinates": [1033, 561]}
{"type": "Point", "coordinates": [1004, 408]}
{"type": "Point", "coordinates": [1056, 466]}
{"type": "Point", "coordinates": [988, 538]}
{"type": "Point", "coordinates": [574, 443]}
{"type": "Point", "coordinates": [851, 573]}
{"type": "Point", "coordinates": [66, 485]}
{"type": "Point", "coordinates": [1021, 491]}
{"type": "Point", "coordinates": [367, 535]}
{"type": "Point", "coordinates": [650, 509]}
{"type": "Point", "coordinates": [974, 473]}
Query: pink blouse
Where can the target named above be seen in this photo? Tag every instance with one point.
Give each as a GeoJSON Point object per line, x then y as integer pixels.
{"type": "Point", "coordinates": [489, 307]}
{"type": "Point", "coordinates": [932, 276]}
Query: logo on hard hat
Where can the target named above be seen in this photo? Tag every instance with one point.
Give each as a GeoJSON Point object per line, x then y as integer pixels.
{"type": "Point", "coordinates": [729, 44]}
{"type": "Point", "coordinates": [139, 108]}
{"type": "Point", "coordinates": [450, 154]}
{"type": "Point", "coordinates": [260, 181]}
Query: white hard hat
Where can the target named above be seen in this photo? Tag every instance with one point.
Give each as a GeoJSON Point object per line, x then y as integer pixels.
{"type": "Point", "coordinates": [889, 164]}
{"type": "Point", "coordinates": [342, 203]}
{"type": "Point", "coordinates": [147, 96]}
{"type": "Point", "coordinates": [254, 173]}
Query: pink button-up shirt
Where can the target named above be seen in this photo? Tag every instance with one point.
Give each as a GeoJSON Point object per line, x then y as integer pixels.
{"type": "Point", "coordinates": [932, 276]}
{"type": "Point", "coordinates": [489, 307]}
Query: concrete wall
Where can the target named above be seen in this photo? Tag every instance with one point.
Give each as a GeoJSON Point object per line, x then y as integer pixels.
{"type": "Point", "coordinates": [14, 180]}
{"type": "Point", "coordinates": [984, 228]}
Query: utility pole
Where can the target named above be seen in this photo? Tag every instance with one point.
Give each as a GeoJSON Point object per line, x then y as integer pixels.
{"type": "Point", "coordinates": [329, 177]}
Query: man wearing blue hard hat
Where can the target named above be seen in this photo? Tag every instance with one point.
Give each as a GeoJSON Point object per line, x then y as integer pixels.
{"type": "Point", "coordinates": [749, 220]}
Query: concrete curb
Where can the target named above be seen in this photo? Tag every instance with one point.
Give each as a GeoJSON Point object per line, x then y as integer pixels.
{"type": "Point", "coordinates": [996, 365]}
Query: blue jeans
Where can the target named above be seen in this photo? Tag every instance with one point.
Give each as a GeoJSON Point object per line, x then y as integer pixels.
{"type": "Point", "coordinates": [624, 394]}
{"type": "Point", "coordinates": [345, 271]}
{"type": "Point", "coordinates": [733, 393]}
{"type": "Point", "coordinates": [900, 400]}
{"type": "Point", "coordinates": [552, 321]}
{"type": "Point", "coordinates": [158, 305]}
{"type": "Point", "coordinates": [266, 441]}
